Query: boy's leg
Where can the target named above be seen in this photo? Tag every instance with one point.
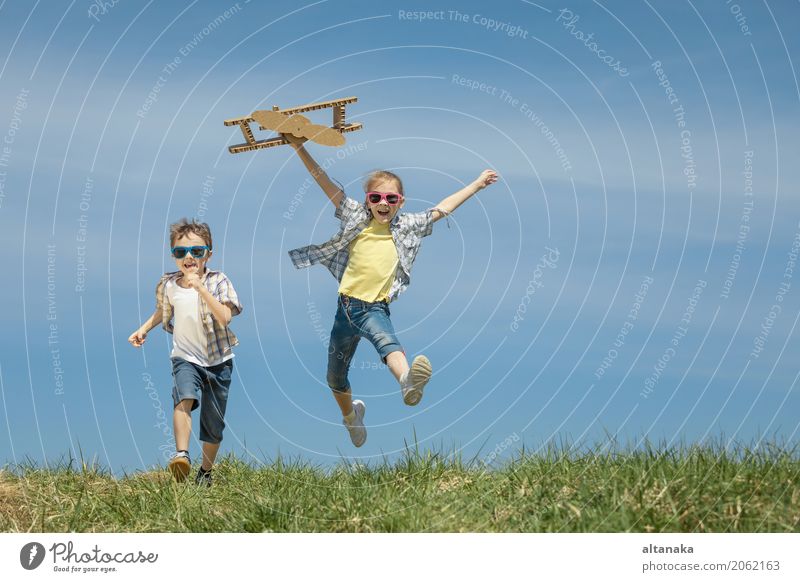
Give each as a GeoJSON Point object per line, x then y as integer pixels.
{"type": "Point", "coordinates": [182, 423]}
{"type": "Point", "coordinates": [186, 392]}
{"type": "Point", "coordinates": [216, 384]}
{"type": "Point", "coordinates": [185, 395]}
{"type": "Point", "coordinates": [210, 451]}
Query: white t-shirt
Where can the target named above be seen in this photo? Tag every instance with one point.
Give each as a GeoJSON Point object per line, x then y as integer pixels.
{"type": "Point", "coordinates": [189, 338]}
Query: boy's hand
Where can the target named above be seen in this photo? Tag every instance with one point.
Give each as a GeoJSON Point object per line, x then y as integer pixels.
{"type": "Point", "coordinates": [193, 280]}
{"type": "Point", "coordinates": [487, 178]}
{"type": "Point", "coordinates": [137, 338]}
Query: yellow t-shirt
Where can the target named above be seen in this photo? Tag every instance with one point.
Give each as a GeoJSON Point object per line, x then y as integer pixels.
{"type": "Point", "coordinates": [371, 264]}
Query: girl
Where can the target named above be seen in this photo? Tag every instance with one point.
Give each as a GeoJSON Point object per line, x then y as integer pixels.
{"type": "Point", "coordinates": [371, 256]}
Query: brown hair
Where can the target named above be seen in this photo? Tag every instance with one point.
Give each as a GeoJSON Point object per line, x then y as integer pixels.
{"type": "Point", "coordinates": [184, 227]}
{"type": "Point", "coordinates": [382, 176]}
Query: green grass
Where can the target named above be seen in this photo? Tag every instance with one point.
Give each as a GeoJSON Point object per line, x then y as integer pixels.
{"type": "Point", "coordinates": [704, 489]}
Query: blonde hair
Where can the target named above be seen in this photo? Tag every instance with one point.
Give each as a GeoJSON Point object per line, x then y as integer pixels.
{"type": "Point", "coordinates": [184, 227]}
{"type": "Point", "coordinates": [382, 176]}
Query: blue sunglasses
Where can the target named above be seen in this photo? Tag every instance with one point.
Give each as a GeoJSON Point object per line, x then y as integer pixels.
{"type": "Point", "coordinates": [196, 252]}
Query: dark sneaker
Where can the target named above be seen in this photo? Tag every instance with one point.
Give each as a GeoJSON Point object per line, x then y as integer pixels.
{"type": "Point", "coordinates": [203, 478]}
{"type": "Point", "coordinates": [179, 466]}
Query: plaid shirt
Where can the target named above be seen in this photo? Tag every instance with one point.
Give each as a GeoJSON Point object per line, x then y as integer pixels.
{"type": "Point", "coordinates": [407, 232]}
{"type": "Point", "coordinates": [220, 339]}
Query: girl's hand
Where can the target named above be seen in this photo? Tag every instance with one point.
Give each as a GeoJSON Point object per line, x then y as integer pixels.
{"type": "Point", "coordinates": [137, 338]}
{"type": "Point", "coordinates": [487, 178]}
{"type": "Point", "coordinates": [295, 142]}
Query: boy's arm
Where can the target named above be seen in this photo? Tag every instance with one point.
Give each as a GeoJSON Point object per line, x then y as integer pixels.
{"type": "Point", "coordinates": [332, 191]}
{"type": "Point", "coordinates": [449, 204]}
{"type": "Point", "coordinates": [137, 337]}
{"type": "Point", "coordinates": [221, 312]}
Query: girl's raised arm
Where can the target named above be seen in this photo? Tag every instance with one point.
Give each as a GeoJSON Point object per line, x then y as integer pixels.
{"type": "Point", "coordinates": [332, 191]}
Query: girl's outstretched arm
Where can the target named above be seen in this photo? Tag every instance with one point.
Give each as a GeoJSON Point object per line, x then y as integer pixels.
{"type": "Point", "coordinates": [332, 191]}
{"type": "Point", "coordinates": [449, 204]}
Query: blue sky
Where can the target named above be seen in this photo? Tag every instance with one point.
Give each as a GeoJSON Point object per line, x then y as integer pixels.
{"type": "Point", "coordinates": [112, 127]}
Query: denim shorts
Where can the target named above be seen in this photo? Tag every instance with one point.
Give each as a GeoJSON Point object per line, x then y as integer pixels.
{"type": "Point", "coordinates": [356, 319]}
{"type": "Point", "coordinates": [208, 387]}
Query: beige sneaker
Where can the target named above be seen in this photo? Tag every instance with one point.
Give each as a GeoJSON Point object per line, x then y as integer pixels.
{"type": "Point", "coordinates": [356, 428]}
{"type": "Point", "coordinates": [415, 380]}
{"type": "Point", "coordinates": [179, 465]}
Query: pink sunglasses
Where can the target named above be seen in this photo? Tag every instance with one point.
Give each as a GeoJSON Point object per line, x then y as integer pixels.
{"type": "Point", "coordinates": [391, 198]}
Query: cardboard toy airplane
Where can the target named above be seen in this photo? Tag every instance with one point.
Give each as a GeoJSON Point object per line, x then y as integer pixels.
{"type": "Point", "coordinates": [290, 121]}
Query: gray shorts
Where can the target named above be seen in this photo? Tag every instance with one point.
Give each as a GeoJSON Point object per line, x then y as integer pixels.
{"type": "Point", "coordinates": [208, 387]}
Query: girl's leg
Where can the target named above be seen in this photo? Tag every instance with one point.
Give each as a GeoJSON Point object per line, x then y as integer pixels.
{"type": "Point", "coordinates": [345, 401]}
{"type": "Point", "coordinates": [343, 343]}
{"type": "Point", "coordinates": [344, 340]}
{"type": "Point", "coordinates": [398, 364]}
{"type": "Point", "coordinates": [377, 327]}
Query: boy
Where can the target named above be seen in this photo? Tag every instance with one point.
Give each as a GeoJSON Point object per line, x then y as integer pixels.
{"type": "Point", "coordinates": [371, 257]}
{"type": "Point", "coordinates": [195, 305]}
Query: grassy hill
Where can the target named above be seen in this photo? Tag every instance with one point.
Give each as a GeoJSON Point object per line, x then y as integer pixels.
{"type": "Point", "coordinates": [684, 489]}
